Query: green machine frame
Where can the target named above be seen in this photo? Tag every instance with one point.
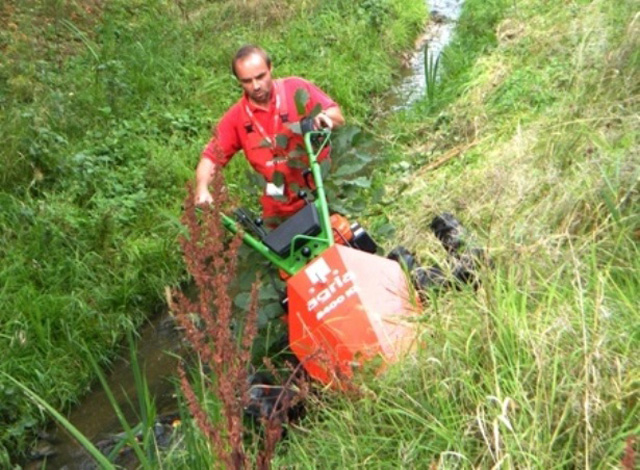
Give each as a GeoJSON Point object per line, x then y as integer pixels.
{"type": "Point", "coordinates": [303, 247]}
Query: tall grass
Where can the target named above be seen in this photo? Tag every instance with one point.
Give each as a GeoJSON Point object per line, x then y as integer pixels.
{"type": "Point", "coordinates": [431, 75]}
{"type": "Point", "coordinates": [539, 368]}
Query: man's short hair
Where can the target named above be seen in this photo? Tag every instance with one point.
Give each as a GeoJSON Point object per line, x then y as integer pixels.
{"type": "Point", "coordinates": [246, 51]}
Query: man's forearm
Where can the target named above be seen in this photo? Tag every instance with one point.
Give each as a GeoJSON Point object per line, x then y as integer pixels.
{"type": "Point", "coordinates": [335, 113]}
{"type": "Point", "coordinates": [204, 173]}
{"type": "Point", "coordinates": [204, 176]}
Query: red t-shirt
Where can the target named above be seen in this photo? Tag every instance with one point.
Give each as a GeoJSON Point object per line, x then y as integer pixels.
{"type": "Point", "coordinates": [253, 130]}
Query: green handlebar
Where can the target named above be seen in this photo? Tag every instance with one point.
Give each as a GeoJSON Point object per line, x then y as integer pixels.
{"type": "Point", "coordinates": [316, 171]}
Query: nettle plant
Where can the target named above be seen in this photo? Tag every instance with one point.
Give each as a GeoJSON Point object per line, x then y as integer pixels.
{"type": "Point", "coordinates": [346, 175]}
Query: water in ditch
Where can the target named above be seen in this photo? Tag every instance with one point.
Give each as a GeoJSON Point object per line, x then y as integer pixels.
{"type": "Point", "coordinates": [157, 345]}
{"type": "Point", "coordinates": [443, 17]}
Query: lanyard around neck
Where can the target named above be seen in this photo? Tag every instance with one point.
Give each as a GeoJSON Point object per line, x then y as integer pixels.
{"type": "Point", "coordinates": [276, 116]}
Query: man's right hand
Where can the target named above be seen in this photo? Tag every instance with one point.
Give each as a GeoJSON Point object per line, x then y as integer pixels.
{"type": "Point", "coordinates": [204, 176]}
{"type": "Point", "coordinates": [203, 197]}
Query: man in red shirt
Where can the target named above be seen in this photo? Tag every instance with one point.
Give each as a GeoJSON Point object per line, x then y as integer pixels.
{"type": "Point", "coordinates": [257, 125]}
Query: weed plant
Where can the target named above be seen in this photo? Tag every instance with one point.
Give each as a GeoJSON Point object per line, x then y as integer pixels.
{"type": "Point", "coordinates": [431, 66]}
{"type": "Point", "coordinates": [223, 343]}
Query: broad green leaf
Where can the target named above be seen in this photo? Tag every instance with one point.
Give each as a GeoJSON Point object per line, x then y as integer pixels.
{"type": "Point", "coordinates": [376, 195]}
{"type": "Point", "coordinates": [357, 206]}
{"type": "Point", "coordinates": [242, 300]}
{"type": "Point", "coordinates": [342, 138]}
{"type": "Point", "coordinates": [278, 178]}
{"type": "Point", "coordinates": [265, 144]}
{"type": "Point", "coordinates": [330, 194]}
{"type": "Point", "coordinates": [295, 127]}
{"type": "Point", "coordinates": [360, 182]}
{"type": "Point", "coordinates": [325, 168]}
{"type": "Point", "coordinates": [385, 231]}
{"type": "Point", "coordinates": [255, 179]}
{"type": "Point", "coordinates": [268, 313]}
{"type": "Point", "coordinates": [298, 152]}
{"type": "Point", "coordinates": [282, 141]}
{"type": "Point", "coordinates": [317, 109]}
{"type": "Point", "coordinates": [361, 138]}
{"type": "Point", "coordinates": [296, 163]}
{"type": "Point", "coordinates": [338, 207]}
{"type": "Point", "coordinates": [301, 98]}
{"type": "Point", "coordinates": [294, 188]}
{"type": "Point", "coordinates": [349, 169]}
{"type": "Point", "coordinates": [364, 157]}
{"type": "Point", "coordinates": [272, 310]}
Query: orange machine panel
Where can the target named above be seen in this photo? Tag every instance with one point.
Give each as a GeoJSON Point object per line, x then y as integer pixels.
{"type": "Point", "coordinates": [345, 306]}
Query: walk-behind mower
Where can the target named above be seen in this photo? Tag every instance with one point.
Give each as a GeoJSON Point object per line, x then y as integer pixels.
{"type": "Point", "coordinates": [345, 304]}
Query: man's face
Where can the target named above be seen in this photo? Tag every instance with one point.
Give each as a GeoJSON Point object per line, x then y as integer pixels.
{"type": "Point", "coordinates": [255, 77]}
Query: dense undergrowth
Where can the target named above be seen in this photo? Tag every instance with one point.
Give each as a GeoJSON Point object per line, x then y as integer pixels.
{"type": "Point", "coordinates": [105, 108]}
{"type": "Point", "coordinates": [530, 139]}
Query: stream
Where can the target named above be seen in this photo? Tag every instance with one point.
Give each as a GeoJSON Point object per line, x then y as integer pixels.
{"type": "Point", "coordinates": [443, 17]}
{"type": "Point", "coordinates": [159, 342]}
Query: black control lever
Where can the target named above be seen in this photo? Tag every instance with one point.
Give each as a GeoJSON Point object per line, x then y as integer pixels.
{"type": "Point", "coordinates": [245, 218]}
{"type": "Point", "coordinates": [306, 126]}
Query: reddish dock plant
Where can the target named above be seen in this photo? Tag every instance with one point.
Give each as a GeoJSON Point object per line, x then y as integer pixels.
{"type": "Point", "coordinates": [207, 322]}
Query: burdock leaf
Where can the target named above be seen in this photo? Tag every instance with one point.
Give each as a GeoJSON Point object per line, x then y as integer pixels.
{"type": "Point", "coordinates": [295, 127]}
{"type": "Point", "coordinates": [271, 311]}
{"type": "Point", "coordinates": [338, 207]}
{"type": "Point", "coordinates": [294, 188]}
{"type": "Point", "coordinates": [325, 167]}
{"type": "Point", "coordinates": [364, 157]}
{"type": "Point", "coordinates": [282, 141]}
{"type": "Point", "coordinates": [317, 109]}
{"type": "Point", "coordinates": [278, 178]}
{"type": "Point", "coordinates": [298, 152]}
{"type": "Point", "coordinates": [265, 144]}
{"type": "Point", "coordinates": [386, 230]}
{"type": "Point", "coordinates": [349, 169]}
{"type": "Point", "coordinates": [294, 163]}
{"type": "Point", "coordinates": [242, 300]}
{"type": "Point", "coordinates": [301, 98]}
{"type": "Point", "coordinates": [256, 179]}
{"type": "Point", "coordinates": [360, 182]}
{"type": "Point", "coordinates": [342, 138]}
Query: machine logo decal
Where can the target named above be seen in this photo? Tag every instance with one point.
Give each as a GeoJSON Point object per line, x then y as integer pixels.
{"type": "Point", "coordinates": [318, 272]}
{"type": "Point", "coordinates": [337, 289]}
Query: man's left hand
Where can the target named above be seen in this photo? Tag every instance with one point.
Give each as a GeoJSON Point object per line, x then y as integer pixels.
{"type": "Point", "coordinates": [322, 120]}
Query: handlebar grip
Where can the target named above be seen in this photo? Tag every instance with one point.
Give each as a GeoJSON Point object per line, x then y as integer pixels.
{"type": "Point", "coordinates": [306, 125]}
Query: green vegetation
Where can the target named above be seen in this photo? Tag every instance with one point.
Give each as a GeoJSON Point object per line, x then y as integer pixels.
{"type": "Point", "coordinates": [105, 109]}
{"type": "Point", "coordinates": [530, 139]}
